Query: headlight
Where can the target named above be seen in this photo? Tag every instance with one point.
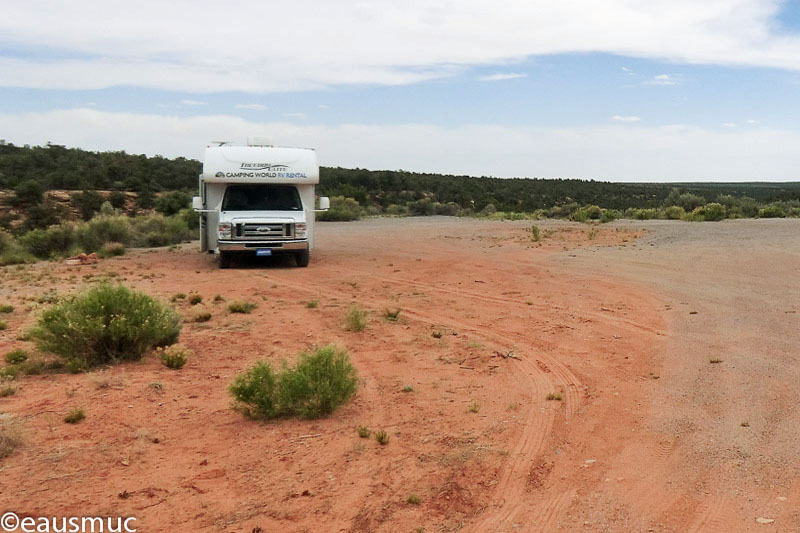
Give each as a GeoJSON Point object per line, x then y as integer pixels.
{"type": "Point", "coordinates": [224, 230]}
{"type": "Point", "coordinates": [300, 231]}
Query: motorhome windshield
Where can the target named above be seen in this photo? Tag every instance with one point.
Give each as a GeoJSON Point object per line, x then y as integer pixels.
{"type": "Point", "coordinates": [261, 197]}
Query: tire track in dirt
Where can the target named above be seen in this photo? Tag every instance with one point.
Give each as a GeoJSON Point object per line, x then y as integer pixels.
{"type": "Point", "coordinates": [543, 374]}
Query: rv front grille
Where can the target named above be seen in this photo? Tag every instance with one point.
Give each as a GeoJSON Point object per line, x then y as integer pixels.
{"type": "Point", "coordinates": [264, 231]}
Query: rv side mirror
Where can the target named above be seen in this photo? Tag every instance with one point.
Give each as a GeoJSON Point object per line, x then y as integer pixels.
{"type": "Point", "coordinates": [197, 203]}
{"type": "Point", "coordinates": [324, 203]}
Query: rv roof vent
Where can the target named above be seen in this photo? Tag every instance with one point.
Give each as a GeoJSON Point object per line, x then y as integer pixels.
{"type": "Point", "coordinates": [259, 141]}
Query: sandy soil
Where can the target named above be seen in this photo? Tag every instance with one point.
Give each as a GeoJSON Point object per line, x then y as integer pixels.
{"type": "Point", "coordinates": [647, 434]}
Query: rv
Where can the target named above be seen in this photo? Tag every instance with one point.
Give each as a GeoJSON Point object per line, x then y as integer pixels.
{"type": "Point", "coordinates": [258, 200]}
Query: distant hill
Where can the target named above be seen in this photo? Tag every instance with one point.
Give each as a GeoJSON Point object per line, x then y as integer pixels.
{"type": "Point", "coordinates": [58, 167]}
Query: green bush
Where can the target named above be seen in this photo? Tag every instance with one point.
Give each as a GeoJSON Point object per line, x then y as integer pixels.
{"type": "Point", "coordinates": [16, 357]}
{"type": "Point", "coordinates": [112, 249]}
{"type": "Point", "coordinates": [103, 229]}
{"type": "Point", "coordinates": [117, 199]}
{"type": "Point", "coordinates": [771, 211]}
{"type": "Point", "coordinates": [674, 212]}
{"type": "Point", "coordinates": [106, 324]}
{"type": "Point", "coordinates": [45, 214]}
{"type": "Point", "coordinates": [158, 230]}
{"type": "Point", "coordinates": [87, 202]}
{"type": "Point", "coordinates": [589, 212]}
{"type": "Point", "coordinates": [712, 212]}
{"type": "Point", "coordinates": [6, 308]}
{"type": "Point", "coordinates": [174, 356]}
{"type": "Point", "coordinates": [319, 383]}
{"type": "Point", "coordinates": [28, 192]}
{"type": "Point", "coordinates": [170, 203]}
{"type": "Point", "coordinates": [644, 214]}
{"type": "Point", "coordinates": [355, 319]}
{"type": "Point", "coordinates": [48, 243]}
{"type": "Point", "coordinates": [609, 215]}
{"type": "Point", "coordinates": [241, 307]}
{"type": "Point", "coordinates": [74, 416]}
{"type": "Point", "coordinates": [342, 210]}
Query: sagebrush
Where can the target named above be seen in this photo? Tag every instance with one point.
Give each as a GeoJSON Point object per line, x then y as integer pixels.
{"type": "Point", "coordinates": [106, 324]}
{"type": "Point", "coordinates": [314, 387]}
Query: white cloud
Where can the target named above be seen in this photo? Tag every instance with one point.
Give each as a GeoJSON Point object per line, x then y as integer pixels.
{"type": "Point", "coordinates": [295, 115]}
{"type": "Point", "coordinates": [729, 125]}
{"type": "Point", "coordinates": [662, 79]}
{"type": "Point", "coordinates": [753, 121]}
{"type": "Point", "coordinates": [502, 76]}
{"type": "Point", "coordinates": [193, 102]}
{"type": "Point", "coordinates": [251, 107]}
{"type": "Point", "coordinates": [323, 106]}
{"type": "Point", "coordinates": [200, 49]}
{"type": "Point", "coordinates": [619, 152]}
{"type": "Point", "coordinates": [626, 118]}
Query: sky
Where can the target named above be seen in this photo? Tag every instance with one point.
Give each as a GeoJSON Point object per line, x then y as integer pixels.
{"type": "Point", "coordinates": [620, 90]}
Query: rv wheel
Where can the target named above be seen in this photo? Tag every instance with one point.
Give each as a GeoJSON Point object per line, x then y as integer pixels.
{"type": "Point", "coordinates": [302, 258]}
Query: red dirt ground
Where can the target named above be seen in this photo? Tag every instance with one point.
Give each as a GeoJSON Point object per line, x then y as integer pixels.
{"type": "Point", "coordinates": [488, 328]}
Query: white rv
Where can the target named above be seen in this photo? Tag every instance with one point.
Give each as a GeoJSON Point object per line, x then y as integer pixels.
{"type": "Point", "coordinates": [258, 200]}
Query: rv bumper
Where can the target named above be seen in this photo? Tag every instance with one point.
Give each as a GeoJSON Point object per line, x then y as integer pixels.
{"type": "Point", "coordinates": [250, 246]}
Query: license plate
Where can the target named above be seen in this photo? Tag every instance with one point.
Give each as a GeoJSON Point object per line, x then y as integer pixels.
{"type": "Point", "coordinates": [263, 252]}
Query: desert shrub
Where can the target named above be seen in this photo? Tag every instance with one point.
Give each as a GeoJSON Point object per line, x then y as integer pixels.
{"type": "Point", "coordinates": [644, 214]}
{"type": "Point", "coordinates": [674, 212]}
{"type": "Point", "coordinates": [6, 241]}
{"type": "Point", "coordinates": [355, 319]}
{"type": "Point", "coordinates": [87, 203]}
{"type": "Point", "coordinates": [312, 304]}
{"type": "Point", "coordinates": [413, 499]}
{"type": "Point", "coordinates": [391, 315]}
{"type": "Point", "coordinates": [195, 299]}
{"type": "Point", "coordinates": [191, 218]}
{"type": "Point", "coordinates": [241, 307]}
{"type": "Point", "coordinates": [51, 242]}
{"type": "Point", "coordinates": [256, 392]}
{"type": "Point", "coordinates": [174, 356]}
{"type": "Point", "coordinates": [771, 211]}
{"type": "Point", "coordinates": [144, 198]}
{"type": "Point", "coordinates": [112, 249]}
{"type": "Point", "coordinates": [103, 229]}
{"type": "Point", "coordinates": [688, 201]}
{"type": "Point", "coordinates": [74, 416]}
{"type": "Point", "coordinates": [158, 230]}
{"type": "Point", "coordinates": [7, 390]}
{"type": "Point", "coordinates": [6, 308]}
{"type": "Point", "coordinates": [203, 316]}
{"type": "Point", "coordinates": [10, 435]}
{"type": "Point", "coordinates": [170, 203]}
{"type": "Point", "coordinates": [382, 437]}
{"type": "Point", "coordinates": [9, 373]}
{"type": "Point", "coordinates": [396, 210]}
{"type": "Point", "coordinates": [421, 208]}
{"type": "Point", "coordinates": [117, 199]}
{"type": "Point", "coordinates": [318, 383]}
{"type": "Point", "coordinates": [16, 356]}
{"type": "Point", "coordinates": [712, 212]}
{"type": "Point", "coordinates": [589, 212]}
{"type": "Point", "coordinates": [747, 207]}
{"type": "Point", "coordinates": [342, 210]}
{"type": "Point", "coordinates": [28, 192]}
{"type": "Point", "coordinates": [536, 234]}
{"type": "Point", "coordinates": [609, 215]}
{"type": "Point", "coordinates": [364, 432]}
{"type": "Point", "coordinates": [45, 214]}
{"type": "Point", "coordinates": [793, 212]}
{"type": "Point", "coordinates": [106, 324]}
